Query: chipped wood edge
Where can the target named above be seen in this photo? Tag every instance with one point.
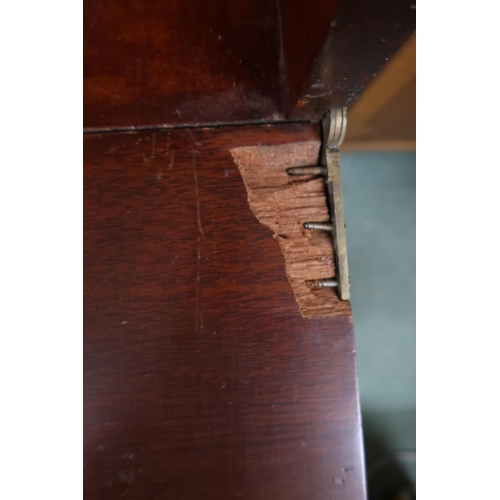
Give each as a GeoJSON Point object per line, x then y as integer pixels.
{"type": "Point", "coordinates": [283, 204]}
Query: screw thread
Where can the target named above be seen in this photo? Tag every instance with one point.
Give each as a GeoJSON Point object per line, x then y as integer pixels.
{"type": "Point", "coordinates": [315, 170]}
{"type": "Point", "coordinates": [325, 283]}
{"type": "Point", "coordinates": [319, 226]}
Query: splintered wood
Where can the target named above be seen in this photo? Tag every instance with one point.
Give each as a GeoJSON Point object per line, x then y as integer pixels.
{"type": "Point", "coordinates": [284, 203]}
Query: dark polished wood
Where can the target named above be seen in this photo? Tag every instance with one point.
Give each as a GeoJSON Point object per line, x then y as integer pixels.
{"type": "Point", "coordinates": [201, 379]}
{"type": "Point", "coordinates": [363, 37]}
{"type": "Point", "coordinates": [305, 27]}
{"type": "Point", "coordinates": [195, 62]}
{"type": "Point", "coordinates": [181, 62]}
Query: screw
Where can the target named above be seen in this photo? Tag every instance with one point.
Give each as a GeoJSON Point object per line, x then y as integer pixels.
{"type": "Point", "coordinates": [319, 226]}
{"type": "Point", "coordinates": [326, 283]}
{"type": "Point", "coordinates": [317, 170]}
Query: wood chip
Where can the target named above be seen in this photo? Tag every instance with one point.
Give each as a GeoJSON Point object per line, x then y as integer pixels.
{"type": "Point", "coordinates": [284, 203]}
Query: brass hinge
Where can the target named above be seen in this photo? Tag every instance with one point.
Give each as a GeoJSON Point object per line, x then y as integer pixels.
{"type": "Point", "coordinates": [333, 127]}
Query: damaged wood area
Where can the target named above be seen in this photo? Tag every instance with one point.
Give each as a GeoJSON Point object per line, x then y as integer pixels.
{"type": "Point", "coordinates": [192, 334]}
{"type": "Point", "coordinates": [283, 204]}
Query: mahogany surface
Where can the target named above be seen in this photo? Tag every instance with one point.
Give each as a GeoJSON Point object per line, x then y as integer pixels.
{"type": "Point", "coordinates": [177, 62]}
{"type": "Point", "coordinates": [201, 379]}
{"type": "Point", "coordinates": [192, 62]}
{"type": "Point", "coordinates": [305, 27]}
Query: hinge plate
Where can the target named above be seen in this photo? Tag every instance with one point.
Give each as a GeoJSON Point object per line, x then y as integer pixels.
{"type": "Point", "coordinates": [334, 127]}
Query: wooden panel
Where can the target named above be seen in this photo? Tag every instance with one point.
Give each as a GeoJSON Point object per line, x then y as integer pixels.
{"type": "Point", "coordinates": [384, 116]}
{"type": "Point", "coordinates": [364, 36]}
{"type": "Point", "coordinates": [180, 62]}
{"type": "Point", "coordinates": [305, 27]}
{"type": "Point", "coordinates": [202, 380]}
{"type": "Point", "coordinates": [195, 62]}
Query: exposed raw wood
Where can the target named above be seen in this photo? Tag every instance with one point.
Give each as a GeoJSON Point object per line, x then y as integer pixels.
{"type": "Point", "coordinates": [283, 204]}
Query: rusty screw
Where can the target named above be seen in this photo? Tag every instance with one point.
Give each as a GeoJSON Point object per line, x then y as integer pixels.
{"type": "Point", "coordinates": [326, 283]}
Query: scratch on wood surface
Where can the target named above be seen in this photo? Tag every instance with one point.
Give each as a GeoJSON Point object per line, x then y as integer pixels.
{"type": "Point", "coordinates": [169, 142]}
{"type": "Point", "coordinates": [198, 248]}
{"type": "Point", "coordinates": [197, 300]}
{"type": "Point", "coordinates": [147, 158]}
{"type": "Point", "coordinates": [284, 204]}
{"type": "Point", "coordinates": [171, 164]}
{"type": "Point", "coordinates": [197, 190]}
{"type": "Point", "coordinates": [169, 152]}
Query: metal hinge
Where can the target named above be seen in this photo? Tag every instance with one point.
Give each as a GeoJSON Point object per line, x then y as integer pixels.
{"type": "Point", "coordinates": [333, 126]}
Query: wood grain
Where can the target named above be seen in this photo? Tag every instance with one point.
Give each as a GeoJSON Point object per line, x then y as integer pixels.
{"type": "Point", "coordinates": [180, 62]}
{"type": "Point", "coordinates": [201, 379]}
{"type": "Point", "coordinates": [283, 204]}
